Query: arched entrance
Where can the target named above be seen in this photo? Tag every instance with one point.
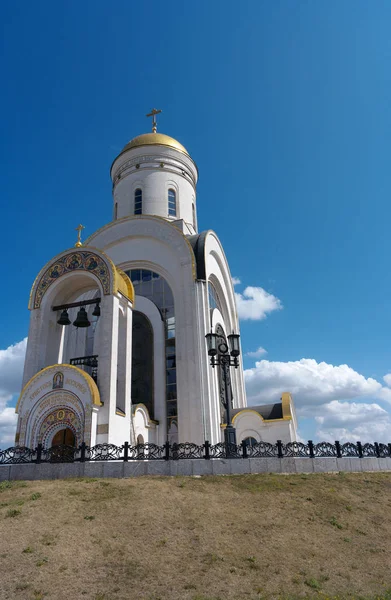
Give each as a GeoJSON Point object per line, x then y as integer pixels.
{"type": "Point", "coordinates": [64, 437]}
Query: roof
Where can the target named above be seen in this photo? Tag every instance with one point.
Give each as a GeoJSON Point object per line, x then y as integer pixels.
{"type": "Point", "coordinates": [154, 139]}
{"type": "Point", "coordinates": [267, 411]}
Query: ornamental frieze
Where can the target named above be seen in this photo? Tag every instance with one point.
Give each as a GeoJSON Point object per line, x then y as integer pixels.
{"type": "Point", "coordinates": [81, 260]}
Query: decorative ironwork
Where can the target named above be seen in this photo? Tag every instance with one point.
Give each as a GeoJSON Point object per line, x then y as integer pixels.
{"type": "Point", "coordinates": [224, 450]}
{"type": "Point", "coordinates": [349, 449]}
{"type": "Point", "coordinates": [262, 450]}
{"type": "Point", "coordinates": [296, 449]}
{"type": "Point", "coordinates": [17, 455]}
{"type": "Point", "coordinates": [104, 452]}
{"type": "Point", "coordinates": [324, 449]}
{"type": "Point", "coordinates": [59, 454]}
{"type": "Point", "coordinates": [224, 357]}
{"type": "Point", "coordinates": [369, 450]}
{"type": "Point", "coordinates": [87, 361]}
{"type": "Point", "coordinates": [148, 451]}
{"type": "Point", "coordinates": [186, 450]}
{"type": "Point", "coordinates": [384, 450]}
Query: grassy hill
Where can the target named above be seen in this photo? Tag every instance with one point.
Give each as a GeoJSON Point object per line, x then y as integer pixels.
{"type": "Point", "coordinates": [241, 537]}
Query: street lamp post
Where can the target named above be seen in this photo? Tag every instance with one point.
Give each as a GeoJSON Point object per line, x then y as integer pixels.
{"type": "Point", "coordinates": [221, 355]}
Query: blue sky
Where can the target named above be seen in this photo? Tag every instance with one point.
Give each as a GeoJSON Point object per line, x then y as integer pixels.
{"type": "Point", "coordinates": [284, 106]}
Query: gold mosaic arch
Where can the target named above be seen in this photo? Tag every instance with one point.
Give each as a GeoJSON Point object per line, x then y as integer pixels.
{"type": "Point", "coordinates": [88, 379]}
{"type": "Point", "coordinates": [88, 259]}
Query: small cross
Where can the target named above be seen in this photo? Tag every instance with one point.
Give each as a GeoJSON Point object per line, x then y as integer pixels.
{"type": "Point", "coordinates": [79, 229]}
{"type": "Point", "coordinates": [153, 114]}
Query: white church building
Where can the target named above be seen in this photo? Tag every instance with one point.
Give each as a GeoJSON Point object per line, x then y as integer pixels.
{"type": "Point", "coordinates": [116, 347]}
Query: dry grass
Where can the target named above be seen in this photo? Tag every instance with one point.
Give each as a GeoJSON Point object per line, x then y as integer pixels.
{"type": "Point", "coordinates": [240, 537]}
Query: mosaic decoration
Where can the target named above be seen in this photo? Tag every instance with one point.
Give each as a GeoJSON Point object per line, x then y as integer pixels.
{"type": "Point", "coordinates": [58, 381]}
{"type": "Point", "coordinates": [60, 418]}
{"type": "Point", "coordinates": [54, 411]}
{"type": "Point", "coordinates": [82, 260]}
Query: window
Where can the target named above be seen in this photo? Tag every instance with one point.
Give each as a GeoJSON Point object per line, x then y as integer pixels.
{"type": "Point", "coordinates": [154, 287]}
{"type": "Point", "coordinates": [142, 362]}
{"type": "Point", "coordinates": [250, 442]}
{"type": "Point", "coordinates": [115, 211]}
{"type": "Point", "coordinates": [138, 202]}
{"type": "Point", "coordinates": [194, 218]}
{"type": "Point", "coordinates": [214, 301]}
{"type": "Point", "coordinates": [171, 203]}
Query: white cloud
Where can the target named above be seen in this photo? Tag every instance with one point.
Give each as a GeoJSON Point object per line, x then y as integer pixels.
{"type": "Point", "coordinates": [11, 367]}
{"type": "Point", "coordinates": [11, 371]}
{"type": "Point", "coordinates": [257, 353]}
{"type": "Point", "coordinates": [352, 421]}
{"type": "Point", "coordinates": [322, 391]}
{"type": "Point", "coordinates": [8, 419]}
{"type": "Point", "coordinates": [255, 303]}
{"type": "Point", "coordinates": [309, 381]}
{"type": "Point", "coordinates": [236, 281]}
{"type": "Point", "coordinates": [387, 379]}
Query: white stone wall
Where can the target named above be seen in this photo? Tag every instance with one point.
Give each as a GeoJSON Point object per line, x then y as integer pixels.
{"type": "Point", "coordinates": [233, 466]}
{"type": "Point", "coordinates": [153, 243]}
{"type": "Point", "coordinates": [249, 423]}
{"type": "Point", "coordinates": [155, 170]}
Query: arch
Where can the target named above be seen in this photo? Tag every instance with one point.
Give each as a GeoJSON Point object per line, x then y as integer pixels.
{"type": "Point", "coordinates": [250, 441]}
{"type": "Point", "coordinates": [143, 411]}
{"type": "Point", "coordinates": [156, 289]}
{"type": "Point", "coordinates": [245, 411]}
{"type": "Point", "coordinates": [80, 260]}
{"type": "Point", "coordinates": [88, 379]}
{"type": "Point", "coordinates": [156, 227]}
{"type": "Point", "coordinates": [48, 416]}
{"type": "Point", "coordinates": [64, 436]}
{"type": "Point", "coordinates": [142, 361]}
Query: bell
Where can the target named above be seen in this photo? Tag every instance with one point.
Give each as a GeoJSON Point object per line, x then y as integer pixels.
{"type": "Point", "coordinates": [82, 318]}
{"type": "Point", "coordinates": [96, 312]}
{"type": "Point", "coordinates": [64, 318]}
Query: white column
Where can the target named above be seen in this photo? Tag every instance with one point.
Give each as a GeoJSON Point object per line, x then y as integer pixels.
{"type": "Point", "coordinates": [108, 359]}
{"type": "Point", "coordinates": [127, 350]}
{"type": "Point", "coordinates": [33, 352]}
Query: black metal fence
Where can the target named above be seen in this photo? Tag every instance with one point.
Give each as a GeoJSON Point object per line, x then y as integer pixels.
{"type": "Point", "coordinates": [207, 451]}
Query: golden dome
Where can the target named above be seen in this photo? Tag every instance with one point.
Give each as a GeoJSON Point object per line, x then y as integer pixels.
{"type": "Point", "coordinates": [154, 139]}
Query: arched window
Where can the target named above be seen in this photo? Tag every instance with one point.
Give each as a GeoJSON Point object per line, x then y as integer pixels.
{"type": "Point", "coordinates": [214, 301]}
{"type": "Point", "coordinates": [171, 203]}
{"type": "Point", "coordinates": [138, 202]}
{"type": "Point", "coordinates": [250, 442]}
{"type": "Point", "coordinates": [154, 287]}
{"type": "Point", "coordinates": [142, 362]}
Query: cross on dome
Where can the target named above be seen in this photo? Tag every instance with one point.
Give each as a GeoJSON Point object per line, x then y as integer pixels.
{"type": "Point", "coordinates": [153, 113]}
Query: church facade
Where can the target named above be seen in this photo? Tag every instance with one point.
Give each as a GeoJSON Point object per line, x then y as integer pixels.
{"type": "Point", "coordinates": [116, 348]}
